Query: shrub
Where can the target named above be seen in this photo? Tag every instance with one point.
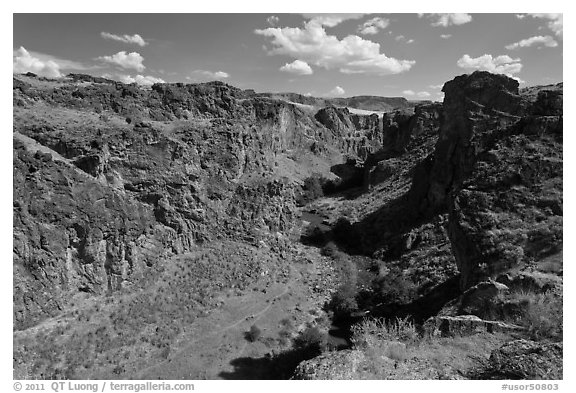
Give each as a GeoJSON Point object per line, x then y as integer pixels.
{"type": "Point", "coordinates": [372, 332]}
{"type": "Point", "coordinates": [310, 341]}
{"type": "Point", "coordinates": [543, 315]}
{"type": "Point", "coordinates": [343, 301]}
{"type": "Point", "coordinates": [311, 190]}
{"type": "Point", "coordinates": [254, 333]}
{"type": "Point", "coordinates": [394, 287]}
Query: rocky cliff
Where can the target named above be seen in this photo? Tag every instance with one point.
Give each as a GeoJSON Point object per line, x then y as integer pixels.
{"type": "Point", "coordinates": [461, 218]}
{"type": "Point", "coordinates": [137, 209]}
{"type": "Point", "coordinates": [111, 178]}
{"type": "Point", "coordinates": [497, 168]}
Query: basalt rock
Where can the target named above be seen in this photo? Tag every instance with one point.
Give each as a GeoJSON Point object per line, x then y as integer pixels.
{"type": "Point", "coordinates": [358, 134]}
{"type": "Point", "coordinates": [465, 325]}
{"type": "Point", "coordinates": [402, 131]}
{"type": "Point", "coordinates": [494, 160]}
{"type": "Point", "coordinates": [524, 359]}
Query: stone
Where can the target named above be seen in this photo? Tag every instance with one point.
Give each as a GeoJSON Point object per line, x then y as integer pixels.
{"type": "Point", "coordinates": [525, 359]}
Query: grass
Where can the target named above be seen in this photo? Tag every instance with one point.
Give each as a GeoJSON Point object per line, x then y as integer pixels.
{"type": "Point", "coordinates": [108, 335]}
{"type": "Point", "coordinates": [542, 314]}
{"type": "Point", "coordinates": [371, 332]}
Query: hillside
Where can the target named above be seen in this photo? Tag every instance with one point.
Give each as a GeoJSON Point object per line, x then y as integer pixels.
{"type": "Point", "coordinates": [204, 231]}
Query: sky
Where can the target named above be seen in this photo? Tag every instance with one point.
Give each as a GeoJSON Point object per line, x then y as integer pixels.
{"type": "Point", "coordinates": [409, 55]}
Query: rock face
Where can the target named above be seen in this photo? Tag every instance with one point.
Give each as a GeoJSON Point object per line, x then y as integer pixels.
{"type": "Point", "coordinates": [143, 174]}
{"type": "Point", "coordinates": [402, 131]}
{"type": "Point", "coordinates": [358, 134]}
{"type": "Point", "coordinates": [497, 168]}
{"type": "Point", "coordinates": [524, 359]}
{"type": "Point", "coordinates": [71, 233]}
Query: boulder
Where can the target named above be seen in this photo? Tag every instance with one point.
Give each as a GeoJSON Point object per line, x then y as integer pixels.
{"type": "Point", "coordinates": [524, 359]}
{"type": "Point", "coordinates": [465, 325]}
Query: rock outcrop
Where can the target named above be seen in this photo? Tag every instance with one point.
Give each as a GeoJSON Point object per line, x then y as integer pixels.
{"type": "Point", "coordinates": [358, 134]}
{"type": "Point", "coordinates": [497, 168]}
{"type": "Point", "coordinates": [465, 325]}
{"type": "Point", "coordinates": [524, 359]}
{"type": "Point", "coordinates": [402, 131]}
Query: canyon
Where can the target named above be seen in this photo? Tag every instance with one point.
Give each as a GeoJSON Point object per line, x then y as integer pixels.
{"type": "Point", "coordinates": [154, 228]}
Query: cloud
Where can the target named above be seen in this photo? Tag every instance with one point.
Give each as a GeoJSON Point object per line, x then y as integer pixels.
{"type": "Point", "coordinates": [436, 87]}
{"type": "Point", "coordinates": [445, 36]}
{"type": "Point", "coordinates": [140, 79]}
{"type": "Point", "coordinates": [402, 38]}
{"type": "Point", "coordinates": [127, 39]}
{"type": "Point", "coordinates": [373, 26]}
{"type": "Point", "coordinates": [23, 61]}
{"type": "Point", "coordinates": [330, 20]}
{"type": "Point", "coordinates": [555, 22]}
{"type": "Point", "coordinates": [499, 65]}
{"type": "Point", "coordinates": [351, 55]}
{"type": "Point", "coordinates": [534, 41]}
{"type": "Point", "coordinates": [446, 20]}
{"type": "Point", "coordinates": [132, 60]}
{"type": "Point", "coordinates": [213, 75]}
{"type": "Point", "coordinates": [420, 94]}
{"type": "Point", "coordinates": [520, 16]}
{"type": "Point", "coordinates": [272, 20]}
{"type": "Point", "coordinates": [297, 67]}
{"type": "Point", "coordinates": [337, 91]}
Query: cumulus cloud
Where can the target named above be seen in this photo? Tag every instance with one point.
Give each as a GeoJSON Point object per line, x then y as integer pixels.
{"type": "Point", "coordinates": [330, 20]}
{"type": "Point", "coordinates": [445, 36]}
{"type": "Point", "coordinates": [373, 26]}
{"type": "Point", "coordinates": [126, 38]}
{"type": "Point", "coordinates": [337, 91]}
{"type": "Point", "coordinates": [272, 20]}
{"type": "Point", "coordinates": [140, 79]}
{"type": "Point", "coordinates": [351, 55]}
{"type": "Point", "coordinates": [499, 65]}
{"type": "Point", "coordinates": [132, 60]}
{"type": "Point", "coordinates": [555, 22]}
{"type": "Point", "coordinates": [43, 64]}
{"type": "Point", "coordinates": [534, 41]}
{"type": "Point", "coordinates": [436, 87]}
{"type": "Point", "coordinates": [213, 75]}
{"type": "Point", "coordinates": [420, 94]}
{"type": "Point", "coordinates": [297, 67]}
{"type": "Point", "coordinates": [446, 20]}
{"type": "Point", "coordinates": [23, 61]}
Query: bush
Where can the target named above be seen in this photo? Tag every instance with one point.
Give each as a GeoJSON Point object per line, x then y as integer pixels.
{"type": "Point", "coordinates": [543, 315]}
{"type": "Point", "coordinates": [394, 287]}
{"type": "Point", "coordinates": [254, 333]}
{"type": "Point", "coordinates": [311, 342]}
{"type": "Point", "coordinates": [343, 301]}
{"type": "Point", "coordinates": [372, 332]}
{"type": "Point", "coordinates": [311, 190]}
